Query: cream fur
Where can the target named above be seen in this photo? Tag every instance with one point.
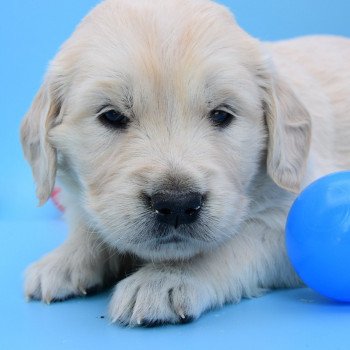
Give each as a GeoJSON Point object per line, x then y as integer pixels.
{"type": "Point", "coordinates": [166, 64]}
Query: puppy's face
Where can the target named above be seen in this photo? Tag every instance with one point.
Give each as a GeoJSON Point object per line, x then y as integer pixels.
{"type": "Point", "coordinates": [159, 124]}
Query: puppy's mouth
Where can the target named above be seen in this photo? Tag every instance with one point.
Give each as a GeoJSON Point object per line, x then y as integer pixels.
{"type": "Point", "coordinates": [161, 242]}
{"type": "Point", "coordinates": [170, 239]}
{"type": "Point", "coordinates": [160, 234]}
{"type": "Point", "coordinates": [166, 225]}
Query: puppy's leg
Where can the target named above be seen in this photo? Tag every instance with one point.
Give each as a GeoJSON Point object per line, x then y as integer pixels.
{"type": "Point", "coordinates": [79, 264]}
{"type": "Point", "coordinates": [173, 292]}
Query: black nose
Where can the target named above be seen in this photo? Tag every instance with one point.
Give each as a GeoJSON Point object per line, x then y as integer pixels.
{"type": "Point", "coordinates": [175, 209]}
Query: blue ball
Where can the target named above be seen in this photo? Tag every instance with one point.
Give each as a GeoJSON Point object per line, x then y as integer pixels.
{"type": "Point", "coordinates": [318, 236]}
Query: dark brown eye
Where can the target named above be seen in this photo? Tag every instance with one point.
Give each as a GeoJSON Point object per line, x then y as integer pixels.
{"type": "Point", "coordinates": [221, 118]}
{"type": "Point", "coordinates": [114, 119]}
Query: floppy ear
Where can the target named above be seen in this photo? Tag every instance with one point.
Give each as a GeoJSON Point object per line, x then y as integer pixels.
{"type": "Point", "coordinates": [34, 137]}
{"type": "Point", "coordinates": [289, 132]}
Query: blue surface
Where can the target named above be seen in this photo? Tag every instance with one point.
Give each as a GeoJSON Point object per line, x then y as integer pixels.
{"type": "Point", "coordinates": [30, 33]}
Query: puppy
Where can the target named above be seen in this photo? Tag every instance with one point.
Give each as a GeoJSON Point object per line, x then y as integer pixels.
{"type": "Point", "coordinates": [180, 142]}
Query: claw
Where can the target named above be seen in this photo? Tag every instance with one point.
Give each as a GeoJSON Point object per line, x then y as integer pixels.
{"type": "Point", "coordinates": [82, 291]}
{"type": "Point", "coordinates": [181, 314]}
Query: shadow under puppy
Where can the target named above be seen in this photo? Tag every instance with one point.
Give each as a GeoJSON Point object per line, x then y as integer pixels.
{"type": "Point", "coordinates": [180, 140]}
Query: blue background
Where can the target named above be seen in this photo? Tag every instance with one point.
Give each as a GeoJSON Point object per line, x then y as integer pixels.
{"type": "Point", "coordinates": [30, 33]}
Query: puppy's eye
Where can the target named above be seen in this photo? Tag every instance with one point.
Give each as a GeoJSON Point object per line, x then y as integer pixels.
{"type": "Point", "coordinates": [221, 118]}
{"type": "Point", "coordinates": [114, 119]}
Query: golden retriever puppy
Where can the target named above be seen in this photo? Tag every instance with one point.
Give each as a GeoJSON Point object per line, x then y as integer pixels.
{"type": "Point", "coordinates": [180, 142]}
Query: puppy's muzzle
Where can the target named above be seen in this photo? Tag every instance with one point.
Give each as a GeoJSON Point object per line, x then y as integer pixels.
{"type": "Point", "coordinates": [176, 208]}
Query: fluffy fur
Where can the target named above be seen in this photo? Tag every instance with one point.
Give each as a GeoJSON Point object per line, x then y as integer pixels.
{"type": "Point", "coordinates": [166, 64]}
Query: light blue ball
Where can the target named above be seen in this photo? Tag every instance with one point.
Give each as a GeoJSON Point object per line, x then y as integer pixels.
{"type": "Point", "coordinates": [318, 235]}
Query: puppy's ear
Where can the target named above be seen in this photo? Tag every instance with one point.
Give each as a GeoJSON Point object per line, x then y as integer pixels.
{"type": "Point", "coordinates": [289, 132]}
{"type": "Point", "coordinates": [40, 154]}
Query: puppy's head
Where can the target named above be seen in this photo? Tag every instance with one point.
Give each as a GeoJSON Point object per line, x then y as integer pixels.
{"type": "Point", "coordinates": [159, 114]}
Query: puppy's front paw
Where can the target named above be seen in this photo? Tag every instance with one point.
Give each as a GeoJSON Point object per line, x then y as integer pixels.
{"type": "Point", "coordinates": [154, 296]}
{"type": "Point", "coordinates": [63, 273]}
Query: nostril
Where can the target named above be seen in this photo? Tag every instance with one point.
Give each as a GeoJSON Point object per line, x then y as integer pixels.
{"type": "Point", "coordinates": [163, 211]}
{"type": "Point", "coordinates": [192, 211]}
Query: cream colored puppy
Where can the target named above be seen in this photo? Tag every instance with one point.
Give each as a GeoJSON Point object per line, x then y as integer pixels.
{"type": "Point", "coordinates": [180, 141]}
